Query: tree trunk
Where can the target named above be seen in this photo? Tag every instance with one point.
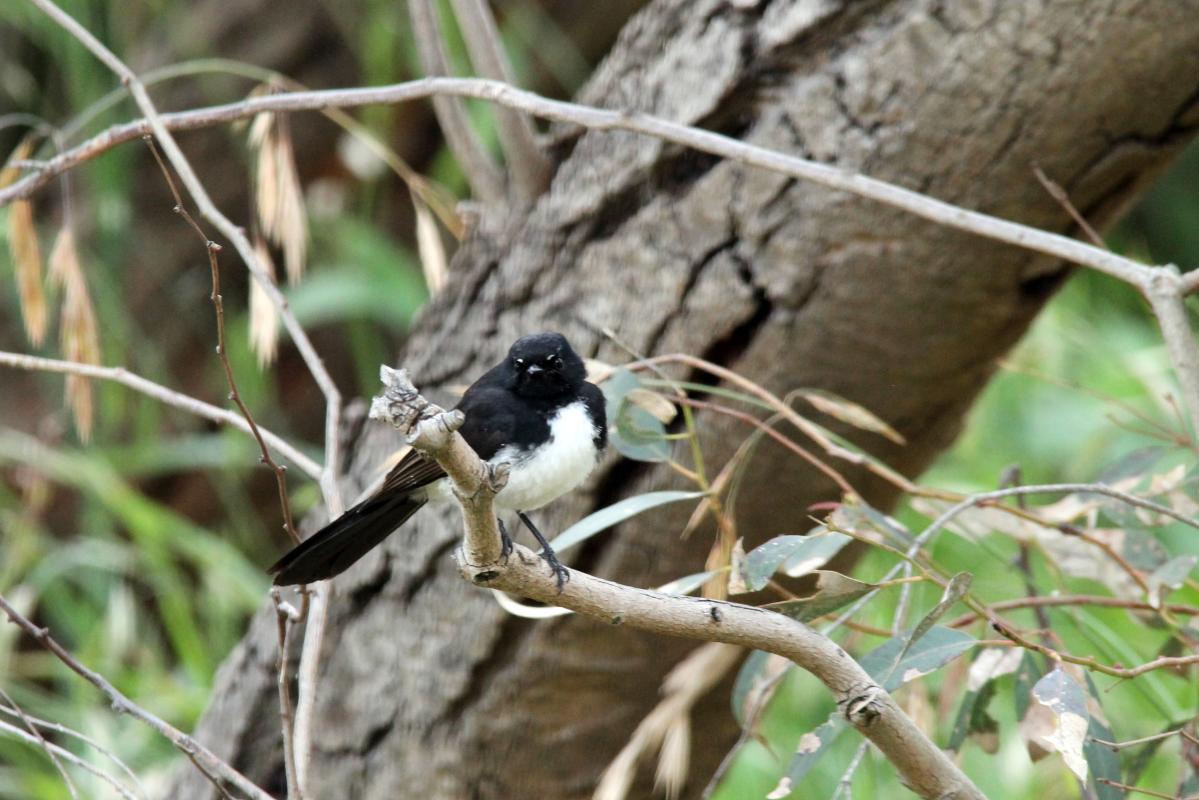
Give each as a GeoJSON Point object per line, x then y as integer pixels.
{"type": "Point", "coordinates": [427, 688]}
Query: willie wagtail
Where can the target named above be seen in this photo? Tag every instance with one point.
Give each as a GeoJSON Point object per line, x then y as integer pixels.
{"type": "Point", "coordinates": [534, 410]}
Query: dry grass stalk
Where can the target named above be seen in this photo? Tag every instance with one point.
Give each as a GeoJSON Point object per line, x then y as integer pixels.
{"type": "Point", "coordinates": [26, 252]}
{"type": "Point", "coordinates": [278, 193]}
{"type": "Point", "coordinates": [432, 251]}
{"type": "Point", "coordinates": [78, 332]}
{"type": "Point", "coordinates": [264, 318]}
{"type": "Point", "coordinates": [668, 725]}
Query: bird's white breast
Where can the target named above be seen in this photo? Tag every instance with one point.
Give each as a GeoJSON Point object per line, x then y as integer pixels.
{"type": "Point", "coordinates": [545, 473]}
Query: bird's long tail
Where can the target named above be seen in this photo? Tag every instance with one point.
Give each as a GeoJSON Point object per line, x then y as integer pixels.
{"type": "Point", "coordinates": [343, 541]}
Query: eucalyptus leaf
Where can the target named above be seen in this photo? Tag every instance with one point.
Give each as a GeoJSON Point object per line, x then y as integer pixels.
{"type": "Point", "coordinates": [902, 659]}
{"type": "Point", "coordinates": [616, 513]}
{"type": "Point", "coordinates": [805, 552]}
{"type": "Point", "coordinates": [833, 590]}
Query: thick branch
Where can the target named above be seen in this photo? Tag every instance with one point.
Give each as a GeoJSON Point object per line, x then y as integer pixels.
{"type": "Point", "coordinates": [865, 705]}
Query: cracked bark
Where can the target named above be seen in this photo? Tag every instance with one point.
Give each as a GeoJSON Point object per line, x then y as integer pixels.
{"type": "Point", "coordinates": [428, 690]}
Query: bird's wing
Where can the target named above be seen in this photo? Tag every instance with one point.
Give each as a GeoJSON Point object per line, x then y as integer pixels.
{"type": "Point", "coordinates": [489, 426]}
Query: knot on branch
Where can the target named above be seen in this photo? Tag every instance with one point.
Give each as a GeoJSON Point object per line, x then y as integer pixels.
{"type": "Point", "coordinates": [863, 704]}
{"type": "Point", "coordinates": [425, 426]}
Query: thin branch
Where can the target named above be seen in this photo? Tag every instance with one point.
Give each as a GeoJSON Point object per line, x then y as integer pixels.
{"type": "Point", "coordinates": [208, 762]}
{"type": "Point", "coordinates": [1181, 732]}
{"type": "Point", "coordinates": [211, 249]}
{"type": "Point", "coordinates": [1053, 601]}
{"type": "Point", "coordinates": [1165, 292]}
{"type": "Point", "coordinates": [55, 752]}
{"type": "Point", "coordinates": [286, 616]}
{"type": "Point", "coordinates": [528, 166]}
{"type": "Point", "coordinates": [170, 397]}
{"type": "Point", "coordinates": [90, 742]}
{"type": "Point", "coordinates": [1150, 792]}
{"type": "Point", "coordinates": [922, 765]}
{"type": "Point", "coordinates": [42, 743]}
{"type": "Point", "coordinates": [937, 211]}
{"type": "Point", "coordinates": [1059, 194]}
{"type": "Point", "coordinates": [486, 179]}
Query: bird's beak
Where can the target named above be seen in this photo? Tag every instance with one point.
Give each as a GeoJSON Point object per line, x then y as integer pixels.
{"type": "Point", "coordinates": [533, 369]}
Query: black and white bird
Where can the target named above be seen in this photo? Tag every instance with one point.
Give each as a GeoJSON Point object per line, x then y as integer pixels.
{"type": "Point", "coordinates": [534, 410]}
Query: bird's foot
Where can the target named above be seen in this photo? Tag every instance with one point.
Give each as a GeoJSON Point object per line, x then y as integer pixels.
{"type": "Point", "coordinates": [561, 573]}
{"type": "Point", "coordinates": [505, 541]}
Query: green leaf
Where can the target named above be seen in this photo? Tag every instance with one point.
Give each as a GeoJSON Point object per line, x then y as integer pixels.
{"type": "Point", "coordinates": [750, 680]}
{"type": "Point", "coordinates": [1168, 577]}
{"type": "Point", "coordinates": [1102, 762]}
{"type": "Point", "coordinates": [688, 583]}
{"type": "Point", "coordinates": [805, 552]}
{"type": "Point", "coordinates": [616, 513]}
{"type": "Point", "coordinates": [900, 660]}
{"type": "Point", "coordinates": [1067, 702]}
{"type": "Point", "coordinates": [958, 585]}
{"type": "Point", "coordinates": [633, 431]}
{"type": "Point", "coordinates": [833, 590]}
{"type": "Point", "coordinates": [816, 552]}
{"type": "Point", "coordinates": [811, 748]}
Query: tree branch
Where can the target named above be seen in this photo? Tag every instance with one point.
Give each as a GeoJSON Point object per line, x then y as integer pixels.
{"type": "Point", "coordinates": [528, 167]}
{"type": "Point", "coordinates": [482, 173]}
{"type": "Point", "coordinates": [865, 705]}
{"type": "Point", "coordinates": [170, 397]}
{"type": "Point", "coordinates": [208, 762]}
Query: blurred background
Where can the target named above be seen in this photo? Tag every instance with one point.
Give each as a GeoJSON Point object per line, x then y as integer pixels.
{"type": "Point", "coordinates": [143, 549]}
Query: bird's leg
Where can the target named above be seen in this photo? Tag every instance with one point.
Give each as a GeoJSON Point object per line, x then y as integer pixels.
{"type": "Point", "coordinates": [561, 573]}
{"type": "Point", "coordinates": [505, 540]}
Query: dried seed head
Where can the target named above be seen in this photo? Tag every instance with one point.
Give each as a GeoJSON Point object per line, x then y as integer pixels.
{"type": "Point", "coordinates": [264, 317]}
{"type": "Point", "coordinates": [78, 331]}
{"type": "Point", "coordinates": [26, 253]}
{"type": "Point", "coordinates": [279, 196]}
{"type": "Point", "coordinates": [675, 758]}
{"type": "Point", "coordinates": [432, 250]}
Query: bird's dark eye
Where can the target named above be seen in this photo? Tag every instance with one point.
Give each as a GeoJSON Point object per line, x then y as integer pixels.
{"type": "Point", "coordinates": [520, 363]}
{"type": "Point", "coordinates": [555, 362]}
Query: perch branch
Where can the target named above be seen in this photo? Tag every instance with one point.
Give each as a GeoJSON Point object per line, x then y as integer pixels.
{"type": "Point", "coordinates": [865, 705]}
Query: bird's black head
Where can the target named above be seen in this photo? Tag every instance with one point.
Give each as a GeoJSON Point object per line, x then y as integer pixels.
{"type": "Point", "coordinates": [545, 365]}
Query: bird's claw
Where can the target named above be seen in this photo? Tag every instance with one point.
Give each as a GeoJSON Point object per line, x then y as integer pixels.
{"type": "Point", "coordinates": [561, 573]}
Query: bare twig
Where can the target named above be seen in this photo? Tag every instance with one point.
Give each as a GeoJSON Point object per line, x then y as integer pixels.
{"type": "Point", "coordinates": [55, 752]}
{"type": "Point", "coordinates": [208, 762]}
{"type": "Point", "coordinates": [1053, 601]}
{"type": "Point", "coordinates": [937, 211]}
{"type": "Point", "coordinates": [42, 743]}
{"type": "Point", "coordinates": [484, 176]}
{"type": "Point", "coordinates": [211, 248]}
{"type": "Point", "coordinates": [923, 766]}
{"type": "Point", "coordinates": [528, 167]}
{"type": "Point", "coordinates": [90, 742]}
{"type": "Point", "coordinates": [168, 396]}
{"type": "Point", "coordinates": [1181, 732]}
{"type": "Point", "coordinates": [286, 616]}
{"type": "Point", "coordinates": [1059, 194]}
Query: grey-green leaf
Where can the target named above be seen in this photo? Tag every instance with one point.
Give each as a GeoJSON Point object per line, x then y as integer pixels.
{"type": "Point", "coordinates": [616, 513]}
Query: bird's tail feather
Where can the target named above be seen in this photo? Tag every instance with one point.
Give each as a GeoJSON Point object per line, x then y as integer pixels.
{"type": "Point", "coordinates": [343, 541]}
